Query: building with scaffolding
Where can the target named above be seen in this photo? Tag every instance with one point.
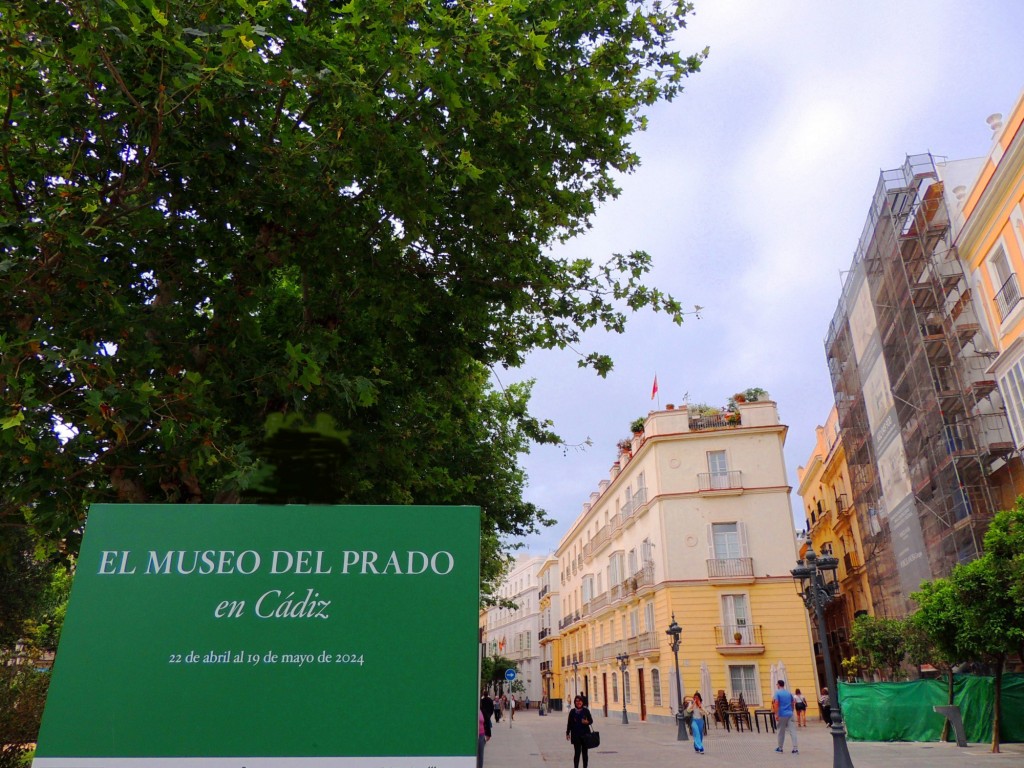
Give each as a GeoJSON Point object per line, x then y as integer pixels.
{"type": "Point", "coordinates": [924, 429]}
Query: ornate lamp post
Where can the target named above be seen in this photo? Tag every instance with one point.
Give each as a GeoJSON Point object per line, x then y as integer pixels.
{"type": "Point", "coordinates": [576, 675]}
{"type": "Point", "coordinates": [818, 585]}
{"type": "Point", "coordinates": [674, 631]}
{"type": "Point", "coordinates": [623, 660]}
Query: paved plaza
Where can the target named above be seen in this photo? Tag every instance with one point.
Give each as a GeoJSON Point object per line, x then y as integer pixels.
{"type": "Point", "coordinates": [533, 741]}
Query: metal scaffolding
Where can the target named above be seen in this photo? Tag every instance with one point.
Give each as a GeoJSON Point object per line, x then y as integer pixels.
{"type": "Point", "coordinates": [926, 423]}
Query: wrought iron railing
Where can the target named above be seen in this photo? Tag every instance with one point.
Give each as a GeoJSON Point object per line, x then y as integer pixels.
{"type": "Point", "coordinates": [738, 634]}
{"type": "Point", "coordinates": [730, 567]}
{"type": "Point", "coordinates": [1008, 296]}
{"type": "Point", "coordinates": [720, 481]}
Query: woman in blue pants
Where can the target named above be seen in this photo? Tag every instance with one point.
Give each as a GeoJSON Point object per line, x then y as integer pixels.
{"type": "Point", "coordinates": [697, 711]}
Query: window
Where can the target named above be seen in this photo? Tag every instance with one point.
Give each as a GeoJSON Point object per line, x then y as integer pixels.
{"type": "Point", "coordinates": [625, 688]}
{"type": "Point", "coordinates": [616, 568]}
{"type": "Point", "coordinates": [615, 687]}
{"type": "Point", "coordinates": [588, 588]}
{"type": "Point", "coordinates": [656, 687]}
{"type": "Point", "coordinates": [737, 619]}
{"type": "Point", "coordinates": [634, 622]}
{"type": "Point", "coordinates": [743, 679]}
{"type": "Point", "coordinates": [1011, 387]}
{"type": "Point", "coordinates": [593, 689]}
{"type": "Point", "coordinates": [633, 567]}
{"type": "Point", "coordinates": [1004, 282]}
{"type": "Point", "coordinates": [649, 616]}
{"type": "Point", "coordinates": [641, 490]}
{"type": "Point", "coordinates": [728, 541]}
{"type": "Point", "coordinates": [647, 551]}
{"type": "Point", "coordinates": [718, 467]}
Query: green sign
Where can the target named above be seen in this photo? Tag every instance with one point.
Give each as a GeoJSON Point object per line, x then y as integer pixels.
{"type": "Point", "coordinates": [237, 636]}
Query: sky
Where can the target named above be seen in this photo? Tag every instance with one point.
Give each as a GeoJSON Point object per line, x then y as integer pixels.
{"type": "Point", "coordinates": [754, 187]}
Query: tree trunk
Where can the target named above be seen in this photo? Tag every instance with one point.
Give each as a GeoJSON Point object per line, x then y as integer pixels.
{"type": "Point", "coordinates": [949, 700]}
{"type": "Point", "coordinates": [997, 709]}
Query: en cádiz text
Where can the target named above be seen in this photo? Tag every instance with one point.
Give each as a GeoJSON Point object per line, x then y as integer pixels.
{"type": "Point", "coordinates": [266, 659]}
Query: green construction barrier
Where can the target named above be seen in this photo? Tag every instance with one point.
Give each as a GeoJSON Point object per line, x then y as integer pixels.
{"type": "Point", "coordinates": [903, 711]}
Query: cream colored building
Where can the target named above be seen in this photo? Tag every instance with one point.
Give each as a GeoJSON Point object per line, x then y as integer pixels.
{"type": "Point", "coordinates": [513, 632]}
{"type": "Point", "coordinates": [694, 521]}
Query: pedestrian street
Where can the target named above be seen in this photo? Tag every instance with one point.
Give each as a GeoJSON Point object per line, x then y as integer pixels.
{"type": "Point", "coordinates": [535, 741]}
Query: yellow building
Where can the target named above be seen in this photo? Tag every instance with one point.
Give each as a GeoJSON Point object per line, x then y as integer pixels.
{"type": "Point", "coordinates": [833, 528]}
{"type": "Point", "coordinates": [991, 244]}
{"type": "Point", "coordinates": [553, 682]}
{"type": "Point", "coordinates": [693, 522]}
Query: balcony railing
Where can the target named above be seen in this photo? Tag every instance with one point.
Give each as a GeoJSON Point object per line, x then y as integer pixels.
{"type": "Point", "coordinates": [1008, 296]}
{"type": "Point", "coordinates": [720, 481]}
{"type": "Point", "coordinates": [599, 602]}
{"type": "Point", "coordinates": [645, 641]}
{"type": "Point", "coordinates": [738, 634]}
{"type": "Point", "coordinates": [545, 666]}
{"type": "Point", "coordinates": [544, 633]}
{"type": "Point", "coordinates": [850, 561]}
{"type": "Point", "coordinates": [714, 421]}
{"type": "Point", "coordinates": [543, 591]}
{"type": "Point", "coordinates": [731, 568]}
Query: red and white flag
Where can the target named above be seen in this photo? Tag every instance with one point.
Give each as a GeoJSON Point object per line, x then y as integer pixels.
{"type": "Point", "coordinates": [654, 389]}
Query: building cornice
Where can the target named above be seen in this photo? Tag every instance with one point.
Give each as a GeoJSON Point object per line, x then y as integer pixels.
{"type": "Point", "coordinates": [978, 229]}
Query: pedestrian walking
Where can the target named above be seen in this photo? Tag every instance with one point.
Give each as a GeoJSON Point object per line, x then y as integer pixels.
{"type": "Point", "coordinates": [576, 730]}
{"type": "Point", "coordinates": [782, 704]}
{"type": "Point", "coordinates": [511, 710]}
{"type": "Point", "coordinates": [698, 721]}
{"type": "Point", "coordinates": [800, 708]}
{"type": "Point", "coordinates": [487, 708]}
{"type": "Point", "coordinates": [483, 731]}
{"type": "Point", "coordinates": [825, 703]}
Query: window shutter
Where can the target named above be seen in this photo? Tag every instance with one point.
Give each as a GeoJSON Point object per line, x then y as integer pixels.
{"type": "Point", "coordinates": [744, 545]}
{"type": "Point", "coordinates": [711, 542]}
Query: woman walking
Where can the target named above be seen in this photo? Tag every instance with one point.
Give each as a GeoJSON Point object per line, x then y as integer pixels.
{"type": "Point", "coordinates": [800, 707]}
{"type": "Point", "coordinates": [576, 730]}
{"type": "Point", "coordinates": [696, 710]}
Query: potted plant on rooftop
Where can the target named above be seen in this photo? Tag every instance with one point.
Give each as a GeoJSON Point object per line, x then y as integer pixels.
{"type": "Point", "coordinates": [637, 425]}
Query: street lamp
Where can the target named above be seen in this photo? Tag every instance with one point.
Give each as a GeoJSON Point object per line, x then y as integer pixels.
{"type": "Point", "coordinates": [576, 675]}
{"type": "Point", "coordinates": [818, 585]}
{"type": "Point", "coordinates": [623, 660]}
{"type": "Point", "coordinates": [674, 631]}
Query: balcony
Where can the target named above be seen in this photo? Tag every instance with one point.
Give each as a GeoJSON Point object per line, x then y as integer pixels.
{"type": "Point", "coordinates": [734, 570]}
{"type": "Point", "coordinates": [1008, 297]}
{"type": "Point", "coordinates": [642, 578]}
{"type": "Point", "coordinates": [544, 633]}
{"type": "Point", "coordinates": [739, 639]}
{"type": "Point", "coordinates": [731, 481]}
{"type": "Point", "coordinates": [543, 591]}
{"type": "Point", "coordinates": [714, 421]}
{"type": "Point", "coordinates": [599, 602]}
{"type": "Point", "coordinates": [645, 641]}
{"type": "Point", "coordinates": [851, 562]}
{"type": "Point", "coordinates": [545, 666]}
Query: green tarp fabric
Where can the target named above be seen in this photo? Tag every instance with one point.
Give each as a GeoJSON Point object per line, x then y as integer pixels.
{"type": "Point", "coordinates": [903, 711]}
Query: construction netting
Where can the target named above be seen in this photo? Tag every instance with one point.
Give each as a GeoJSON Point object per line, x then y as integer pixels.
{"type": "Point", "coordinates": [903, 711]}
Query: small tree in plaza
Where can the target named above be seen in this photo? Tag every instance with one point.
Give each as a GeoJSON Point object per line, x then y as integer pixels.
{"type": "Point", "coordinates": [883, 641]}
{"type": "Point", "coordinates": [932, 632]}
{"type": "Point", "coordinates": [977, 614]}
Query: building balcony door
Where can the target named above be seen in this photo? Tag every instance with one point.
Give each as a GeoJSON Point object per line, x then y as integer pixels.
{"type": "Point", "coordinates": [604, 691]}
{"type": "Point", "coordinates": [643, 694]}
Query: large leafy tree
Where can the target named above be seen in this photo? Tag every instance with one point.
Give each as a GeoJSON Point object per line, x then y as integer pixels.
{"type": "Point", "coordinates": [236, 236]}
